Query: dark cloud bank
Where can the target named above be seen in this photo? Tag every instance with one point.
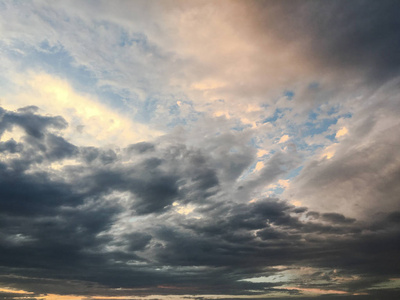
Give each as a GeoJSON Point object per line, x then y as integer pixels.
{"type": "Point", "coordinates": [354, 39]}
{"type": "Point", "coordinates": [110, 221]}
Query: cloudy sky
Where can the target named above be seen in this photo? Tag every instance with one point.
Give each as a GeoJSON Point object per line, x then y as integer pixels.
{"type": "Point", "coordinates": [199, 150]}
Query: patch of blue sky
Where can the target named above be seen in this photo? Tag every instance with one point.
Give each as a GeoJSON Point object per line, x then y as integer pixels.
{"type": "Point", "coordinates": [293, 173]}
{"type": "Point", "coordinates": [138, 39]}
{"type": "Point", "coordinates": [122, 99]}
{"type": "Point", "coordinates": [254, 142]}
{"type": "Point", "coordinates": [313, 115]}
{"type": "Point", "coordinates": [331, 137]}
{"type": "Point", "coordinates": [278, 113]}
{"type": "Point", "coordinates": [307, 149]}
{"type": "Point", "coordinates": [146, 111]}
{"type": "Point", "coordinates": [317, 127]}
{"type": "Point", "coordinates": [303, 148]}
{"type": "Point", "coordinates": [330, 111]}
{"type": "Point", "coordinates": [251, 169]}
{"type": "Point", "coordinates": [54, 60]}
{"type": "Point", "coordinates": [177, 122]}
{"type": "Point", "coordinates": [246, 173]}
{"type": "Point", "coordinates": [276, 191]}
{"type": "Point", "coordinates": [317, 124]}
{"type": "Point", "coordinates": [175, 118]}
{"type": "Point", "coordinates": [333, 110]}
{"type": "Point", "coordinates": [174, 110]}
{"type": "Point", "coordinates": [239, 126]}
{"type": "Point", "coordinates": [288, 94]}
{"type": "Point", "coordinates": [150, 109]}
{"type": "Point", "coordinates": [181, 106]}
{"type": "Point", "coordinates": [346, 115]}
{"type": "Point", "coordinates": [129, 39]}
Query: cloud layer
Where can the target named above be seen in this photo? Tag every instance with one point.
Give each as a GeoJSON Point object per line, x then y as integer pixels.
{"type": "Point", "coordinates": [199, 150]}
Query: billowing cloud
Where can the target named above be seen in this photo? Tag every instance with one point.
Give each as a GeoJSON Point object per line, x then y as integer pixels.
{"type": "Point", "coordinates": [117, 212]}
{"type": "Point", "coordinates": [199, 150]}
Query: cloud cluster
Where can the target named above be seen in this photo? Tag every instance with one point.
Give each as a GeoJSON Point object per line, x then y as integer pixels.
{"type": "Point", "coordinates": [95, 220]}
{"type": "Point", "coordinates": [361, 173]}
{"type": "Point", "coordinates": [199, 150]}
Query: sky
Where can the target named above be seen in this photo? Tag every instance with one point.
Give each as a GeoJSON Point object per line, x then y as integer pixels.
{"type": "Point", "coordinates": [199, 150]}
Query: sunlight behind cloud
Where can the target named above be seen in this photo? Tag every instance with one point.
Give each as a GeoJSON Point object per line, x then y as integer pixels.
{"type": "Point", "coordinates": [261, 152]}
{"type": "Point", "coordinates": [13, 291]}
{"type": "Point", "coordinates": [283, 139]}
{"type": "Point", "coordinates": [230, 149]}
{"type": "Point", "coordinates": [259, 166]}
{"type": "Point", "coordinates": [90, 123]}
{"type": "Point", "coordinates": [341, 132]}
{"type": "Point", "coordinates": [15, 133]}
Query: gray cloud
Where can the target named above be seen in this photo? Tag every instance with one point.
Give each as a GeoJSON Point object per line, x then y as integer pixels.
{"type": "Point", "coordinates": [185, 214]}
{"type": "Point", "coordinates": [110, 223]}
{"type": "Point", "coordinates": [360, 38]}
{"type": "Point", "coordinates": [360, 179]}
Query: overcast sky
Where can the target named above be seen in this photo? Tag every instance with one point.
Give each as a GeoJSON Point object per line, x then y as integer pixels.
{"type": "Point", "coordinates": [199, 150]}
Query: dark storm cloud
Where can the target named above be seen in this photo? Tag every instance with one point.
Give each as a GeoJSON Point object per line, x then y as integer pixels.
{"type": "Point", "coordinates": [141, 147]}
{"type": "Point", "coordinates": [33, 124]}
{"type": "Point", "coordinates": [155, 182]}
{"type": "Point", "coordinates": [336, 218]}
{"type": "Point", "coordinates": [13, 296]}
{"type": "Point", "coordinates": [154, 191]}
{"type": "Point", "coordinates": [110, 222]}
{"type": "Point", "coordinates": [26, 195]}
{"type": "Point", "coordinates": [59, 148]}
{"type": "Point", "coordinates": [10, 146]}
{"type": "Point", "coordinates": [97, 156]}
{"type": "Point", "coordinates": [359, 37]}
